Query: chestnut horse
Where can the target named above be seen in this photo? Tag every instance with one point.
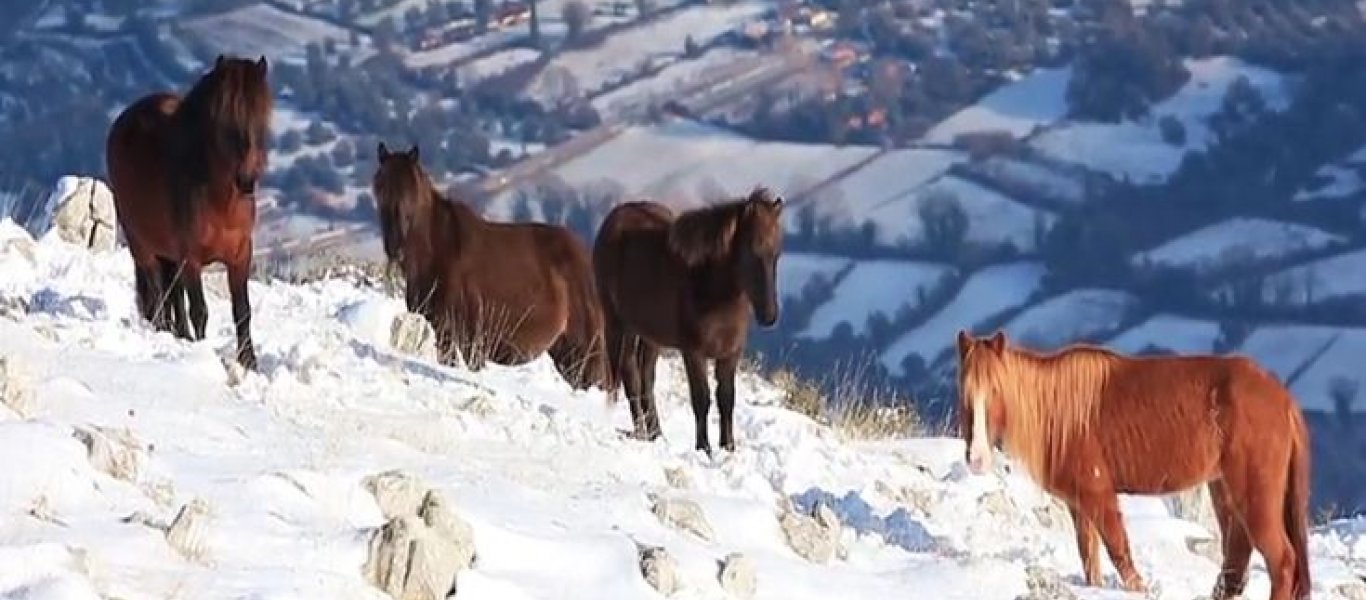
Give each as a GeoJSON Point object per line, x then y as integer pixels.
{"type": "Point", "coordinates": [499, 292]}
{"type": "Point", "coordinates": [183, 172]}
{"type": "Point", "coordinates": [690, 283]}
{"type": "Point", "coordinates": [1087, 423]}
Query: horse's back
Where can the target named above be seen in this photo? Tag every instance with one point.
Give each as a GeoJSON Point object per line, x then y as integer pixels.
{"type": "Point", "coordinates": [135, 155]}
{"type": "Point", "coordinates": [1183, 412]}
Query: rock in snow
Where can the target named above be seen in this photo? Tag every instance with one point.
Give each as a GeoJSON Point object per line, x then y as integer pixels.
{"type": "Point", "coordinates": [82, 210]}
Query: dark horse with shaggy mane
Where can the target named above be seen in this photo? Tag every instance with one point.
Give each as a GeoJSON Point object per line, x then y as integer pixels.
{"type": "Point", "coordinates": [499, 292]}
{"type": "Point", "coordinates": [1087, 423]}
{"type": "Point", "coordinates": [690, 283]}
{"type": "Point", "coordinates": [183, 172]}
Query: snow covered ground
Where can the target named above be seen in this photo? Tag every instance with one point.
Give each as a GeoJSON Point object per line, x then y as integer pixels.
{"type": "Point", "coordinates": [876, 286]}
{"type": "Point", "coordinates": [1214, 247]}
{"type": "Point", "coordinates": [993, 218]}
{"type": "Point", "coordinates": [1338, 277]}
{"type": "Point", "coordinates": [622, 54]}
{"type": "Point", "coordinates": [1035, 100]}
{"type": "Point", "coordinates": [797, 269]}
{"type": "Point", "coordinates": [1135, 149]}
{"type": "Point", "coordinates": [1075, 315]}
{"type": "Point", "coordinates": [557, 500]}
{"type": "Point", "coordinates": [1172, 332]}
{"type": "Point", "coordinates": [264, 29]}
{"type": "Point", "coordinates": [1315, 356]}
{"type": "Point", "coordinates": [986, 293]}
{"type": "Point", "coordinates": [664, 85]}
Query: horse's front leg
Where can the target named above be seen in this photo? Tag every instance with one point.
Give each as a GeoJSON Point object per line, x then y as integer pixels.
{"type": "Point", "coordinates": [239, 273]}
{"type": "Point", "coordinates": [1088, 546]}
{"type": "Point", "coordinates": [695, 365]}
{"type": "Point", "coordinates": [725, 399]}
{"type": "Point", "coordinates": [1101, 507]}
{"type": "Point", "coordinates": [192, 284]}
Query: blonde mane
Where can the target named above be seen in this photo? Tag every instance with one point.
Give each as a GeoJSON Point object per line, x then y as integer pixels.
{"type": "Point", "coordinates": [1050, 400]}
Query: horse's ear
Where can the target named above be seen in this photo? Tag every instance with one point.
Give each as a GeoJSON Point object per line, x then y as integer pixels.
{"type": "Point", "coordinates": [997, 342]}
{"type": "Point", "coordinates": [414, 152]}
{"type": "Point", "coordinates": [262, 65]}
{"type": "Point", "coordinates": [382, 151]}
{"type": "Point", "coordinates": [964, 342]}
{"type": "Point", "coordinates": [218, 62]}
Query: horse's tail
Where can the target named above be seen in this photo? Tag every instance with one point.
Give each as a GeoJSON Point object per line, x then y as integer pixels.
{"type": "Point", "coordinates": [586, 324]}
{"type": "Point", "coordinates": [1297, 505]}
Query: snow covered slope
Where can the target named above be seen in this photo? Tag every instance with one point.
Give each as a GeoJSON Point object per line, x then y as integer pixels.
{"type": "Point", "coordinates": [556, 498]}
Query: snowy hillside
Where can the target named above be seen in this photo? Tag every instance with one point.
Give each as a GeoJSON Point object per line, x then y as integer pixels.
{"type": "Point", "coordinates": [556, 499]}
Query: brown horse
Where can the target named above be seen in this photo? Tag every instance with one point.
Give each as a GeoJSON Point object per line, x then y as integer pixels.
{"type": "Point", "coordinates": [1087, 423]}
{"type": "Point", "coordinates": [690, 283]}
{"type": "Point", "coordinates": [183, 172]}
{"type": "Point", "coordinates": [499, 292]}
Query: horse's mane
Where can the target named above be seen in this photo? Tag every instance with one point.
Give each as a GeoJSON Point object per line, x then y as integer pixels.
{"type": "Point", "coordinates": [226, 114]}
{"type": "Point", "coordinates": [1051, 400]}
{"type": "Point", "coordinates": [707, 233]}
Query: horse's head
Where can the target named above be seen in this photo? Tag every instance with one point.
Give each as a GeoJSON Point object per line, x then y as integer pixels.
{"type": "Point", "coordinates": [981, 411]}
{"type": "Point", "coordinates": [401, 192]}
{"type": "Point", "coordinates": [759, 241]}
{"type": "Point", "coordinates": [743, 238]}
{"type": "Point", "coordinates": [239, 92]}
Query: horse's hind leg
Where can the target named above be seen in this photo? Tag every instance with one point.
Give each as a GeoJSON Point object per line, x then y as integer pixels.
{"type": "Point", "coordinates": [1088, 545]}
{"type": "Point", "coordinates": [1259, 492]}
{"type": "Point", "coordinates": [173, 296]}
{"type": "Point", "coordinates": [1237, 546]}
{"type": "Point", "coordinates": [647, 356]}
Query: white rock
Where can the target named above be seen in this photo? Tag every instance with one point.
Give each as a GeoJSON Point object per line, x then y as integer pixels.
{"type": "Point", "coordinates": [411, 334]}
{"type": "Point", "coordinates": [738, 576]}
{"type": "Point", "coordinates": [82, 210]}
{"type": "Point", "coordinates": [15, 390]}
{"type": "Point", "coordinates": [188, 533]}
{"type": "Point", "coordinates": [409, 560]}
{"type": "Point", "coordinates": [683, 514]}
{"type": "Point", "coordinates": [814, 538]}
{"type": "Point", "coordinates": [398, 493]}
{"type": "Point", "coordinates": [438, 516]}
{"type": "Point", "coordinates": [659, 569]}
{"type": "Point", "coordinates": [114, 452]}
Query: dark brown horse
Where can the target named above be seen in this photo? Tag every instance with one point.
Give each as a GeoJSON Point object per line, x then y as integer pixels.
{"type": "Point", "coordinates": [500, 292]}
{"type": "Point", "coordinates": [1087, 423]}
{"type": "Point", "coordinates": [183, 172]}
{"type": "Point", "coordinates": [690, 283]}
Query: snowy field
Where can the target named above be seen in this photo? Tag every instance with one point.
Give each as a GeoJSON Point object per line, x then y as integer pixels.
{"type": "Point", "coordinates": [1339, 180]}
{"type": "Point", "coordinates": [496, 64]}
{"type": "Point", "coordinates": [798, 269]}
{"type": "Point", "coordinates": [1035, 100]}
{"type": "Point", "coordinates": [884, 180]}
{"type": "Point", "coordinates": [993, 219]}
{"type": "Point", "coordinates": [1135, 149]}
{"type": "Point", "coordinates": [875, 286]}
{"type": "Point", "coordinates": [263, 29]}
{"type": "Point", "coordinates": [1037, 179]}
{"type": "Point", "coordinates": [1314, 355]}
{"type": "Point", "coordinates": [1171, 332]}
{"type": "Point", "coordinates": [556, 500]}
{"type": "Point", "coordinates": [986, 293]}
{"type": "Point", "coordinates": [593, 68]}
{"type": "Point", "coordinates": [1214, 247]}
{"type": "Point", "coordinates": [664, 85]}
{"type": "Point", "coordinates": [1340, 277]}
{"type": "Point", "coordinates": [1076, 315]}
{"type": "Point", "coordinates": [684, 161]}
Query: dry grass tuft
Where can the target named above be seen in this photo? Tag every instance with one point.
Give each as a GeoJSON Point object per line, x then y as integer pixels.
{"type": "Point", "coordinates": [855, 410]}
